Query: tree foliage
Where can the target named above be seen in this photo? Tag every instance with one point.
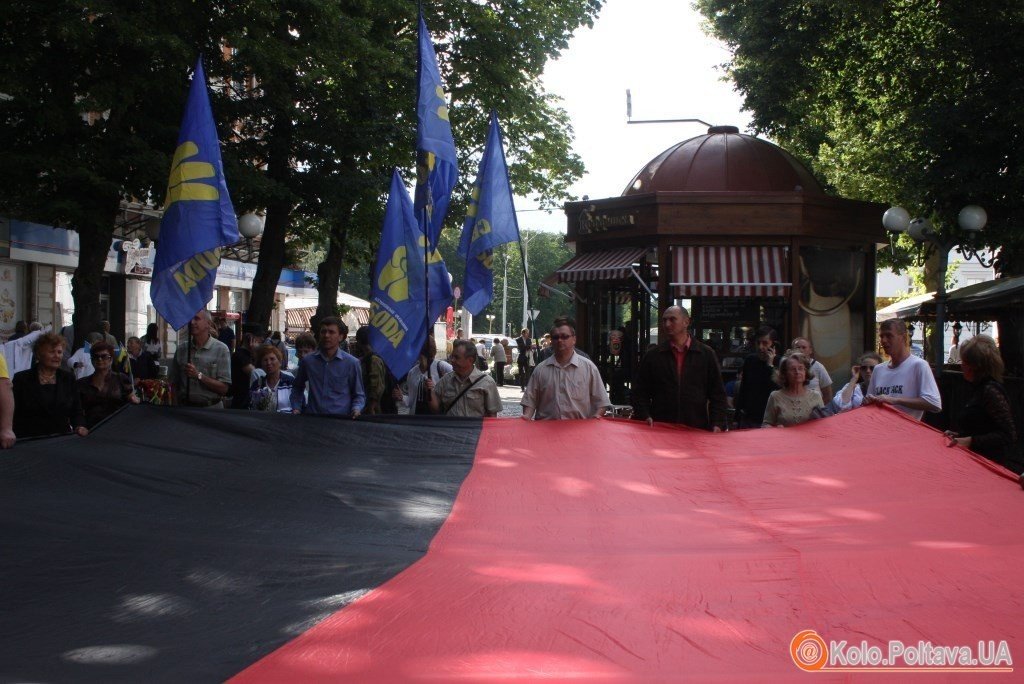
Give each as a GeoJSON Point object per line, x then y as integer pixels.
{"type": "Point", "coordinates": [314, 100]}
{"type": "Point", "coordinates": [911, 102]}
{"type": "Point", "coordinates": [336, 94]}
{"type": "Point", "coordinates": [92, 94]}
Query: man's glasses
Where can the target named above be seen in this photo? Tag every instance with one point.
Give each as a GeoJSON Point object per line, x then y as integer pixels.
{"type": "Point", "coordinates": [103, 357]}
{"type": "Point", "coordinates": [560, 337]}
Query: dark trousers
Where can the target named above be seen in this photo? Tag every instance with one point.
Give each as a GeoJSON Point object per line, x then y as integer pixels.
{"type": "Point", "coordinates": [499, 371]}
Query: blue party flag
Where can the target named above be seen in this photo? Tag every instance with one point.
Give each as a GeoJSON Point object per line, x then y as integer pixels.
{"type": "Point", "coordinates": [198, 216]}
{"type": "Point", "coordinates": [490, 221]}
{"type": "Point", "coordinates": [398, 325]}
{"type": "Point", "coordinates": [436, 160]}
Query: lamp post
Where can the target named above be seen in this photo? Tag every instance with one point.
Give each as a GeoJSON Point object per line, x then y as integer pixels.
{"type": "Point", "coordinates": [504, 294]}
{"type": "Point", "coordinates": [971, 220]}
{"type": "Point", "coordinates": [490, 321]}
{"type": "Point", "coordinates": [250, 226]}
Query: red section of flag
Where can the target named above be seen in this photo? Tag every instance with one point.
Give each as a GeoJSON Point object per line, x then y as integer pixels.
{"type": "Point", "coordinates": [610, 550]}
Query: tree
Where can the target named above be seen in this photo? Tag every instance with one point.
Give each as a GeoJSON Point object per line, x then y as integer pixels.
{"type": "Point", "coordinates": [491, 56]}
{"type": "Point", "coordinates": [92, 99]}
{"type": "Point", "coordinates": [910, 102]}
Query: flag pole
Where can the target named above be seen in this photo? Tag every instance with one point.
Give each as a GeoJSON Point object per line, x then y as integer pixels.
{"type": "Point", "coordinates": [526, 290]}
{"type": "Point", "coordinates": [425, 220]}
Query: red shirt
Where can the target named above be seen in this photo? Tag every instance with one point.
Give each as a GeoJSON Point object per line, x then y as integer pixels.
{"type": "Point", "coordinates": [680, 354]}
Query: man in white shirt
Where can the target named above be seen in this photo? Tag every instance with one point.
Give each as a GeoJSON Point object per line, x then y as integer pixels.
{"type": "Point", "coordinates": [565, 385]}
{"type": "Point", "coordinates": [820, 379]}
{"type": "Point", "coordinates": [906, 381]}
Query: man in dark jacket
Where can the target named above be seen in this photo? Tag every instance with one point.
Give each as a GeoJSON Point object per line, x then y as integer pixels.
{"type": "Point", "coordinates": [680, 381]}
{"type": "Point", "coordinates": [757, 385]}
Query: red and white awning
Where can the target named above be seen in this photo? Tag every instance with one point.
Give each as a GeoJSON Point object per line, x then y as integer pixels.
{"type": "Point", "coordinates": [612, 264]}
{"type": "Point", "coordinates": [730, 271]}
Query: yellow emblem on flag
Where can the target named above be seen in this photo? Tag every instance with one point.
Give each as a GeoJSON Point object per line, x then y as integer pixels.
{"type": "Point", "coordinates": [180, 186]}
{"type": "Point", "coordinates": [394, 277]}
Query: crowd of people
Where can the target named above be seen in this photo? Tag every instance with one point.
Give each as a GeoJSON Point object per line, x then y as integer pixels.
{"type": "Point", "coordinates": [677, 381]}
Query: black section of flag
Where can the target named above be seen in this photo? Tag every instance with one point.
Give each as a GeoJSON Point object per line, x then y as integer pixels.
{"type": "Point", "coordinates": [183, 545]}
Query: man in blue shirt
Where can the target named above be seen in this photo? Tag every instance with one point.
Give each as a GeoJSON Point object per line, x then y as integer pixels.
{"type": "Point", "coordinates": [333, 377]}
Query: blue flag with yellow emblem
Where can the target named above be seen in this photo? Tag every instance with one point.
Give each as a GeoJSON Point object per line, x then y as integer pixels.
{"type": "Point", "coordinates": [490, 221]}
{"type": "Point", "coordinates": [198, 216]}
{"type": "Point", "coordinates": [437, 168]}
{"type": "Point", "coordinates": [398, 326]}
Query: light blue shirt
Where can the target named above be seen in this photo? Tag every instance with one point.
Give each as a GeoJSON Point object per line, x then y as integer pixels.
{"type": "Point", "coordinates": [335, 385]}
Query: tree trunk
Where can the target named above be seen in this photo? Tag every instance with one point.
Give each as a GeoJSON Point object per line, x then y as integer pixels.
{"type": "Point", "coordinates": [329, 275]}
{"type": "Point", "coordinates": [271, 263]}
{"type": "Point", "coordinates": [94, 236]}
{"type": "Point", "coordinates": [275, 229]}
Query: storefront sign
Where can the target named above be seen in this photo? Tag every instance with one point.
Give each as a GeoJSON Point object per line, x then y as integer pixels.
{"type": "Point", "coordinates": [599, 223]}
{"type": "Point", "coordinates": [137, 259]}
{"type": "Point", "coordinates": [728, 310]}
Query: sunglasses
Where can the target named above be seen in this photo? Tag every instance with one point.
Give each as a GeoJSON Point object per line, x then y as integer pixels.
{"type": "Point", "coordinates": [560, 337]}
{"type": "Point", "coordinates": [103, 357]}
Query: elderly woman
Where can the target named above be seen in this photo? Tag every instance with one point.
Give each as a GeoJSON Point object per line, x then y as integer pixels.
{"type": "Point", "coordinates": [986, 421]}
{"type": "Point", "coordinates": [271, 388]}
{"type": "Point", "coordinates": [794, 403]}
{"type": "Point", "coordinates": [106, 390]}
{"type": "Point", "coordinates": [46, 400]}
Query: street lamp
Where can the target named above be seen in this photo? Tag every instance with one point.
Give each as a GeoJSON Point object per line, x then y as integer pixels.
{"type": "Point", "coordinates": [504, 293]}
{"type": "Point", "coordinates": [972, 220]}
{"type": "Point", "coordinates": [490, 320]}
{"type": "Point", "coordinates": [250, 226]}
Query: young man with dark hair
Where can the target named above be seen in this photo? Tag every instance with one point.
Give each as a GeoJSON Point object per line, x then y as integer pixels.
{"type": "Point", "coordinates": [757, 384]}
{"type": "Point", "coordinates": [333, 376]}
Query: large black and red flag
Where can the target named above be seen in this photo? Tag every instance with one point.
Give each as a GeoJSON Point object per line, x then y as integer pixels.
{"type": "Point", "coordinates": [187, 545]}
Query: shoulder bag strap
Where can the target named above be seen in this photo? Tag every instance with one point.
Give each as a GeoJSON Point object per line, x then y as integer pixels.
{"type": "Point", "coordinates": [456, 400]}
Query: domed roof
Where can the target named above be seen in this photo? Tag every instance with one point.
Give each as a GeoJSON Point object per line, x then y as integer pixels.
{"type": "Point", "coordinates": [724, 160]}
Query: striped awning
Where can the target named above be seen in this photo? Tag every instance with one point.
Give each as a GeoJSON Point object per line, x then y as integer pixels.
{"type": "Point", "coordinates": [298, 319]}
{"type": "Point", "coordinates": [730, 271]}
{"type": "Point", "coordinates": [612, 264]}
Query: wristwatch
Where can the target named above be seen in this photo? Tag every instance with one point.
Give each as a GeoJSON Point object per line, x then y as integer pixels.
{"type": "Point", "coordinates": [199, 377]}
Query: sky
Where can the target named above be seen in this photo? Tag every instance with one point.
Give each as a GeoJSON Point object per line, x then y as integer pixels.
{"type": "Point", "coordinates": [657, 49]}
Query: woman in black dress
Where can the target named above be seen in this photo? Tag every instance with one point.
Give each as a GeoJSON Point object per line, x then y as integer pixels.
{"type": "Point", "coordinates": [46, 398]}
{"type": "Point", "coordinates": [985, 425]}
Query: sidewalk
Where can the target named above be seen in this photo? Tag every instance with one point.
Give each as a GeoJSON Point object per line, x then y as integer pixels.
{"type": "Point", "coordinates": [510, 396]}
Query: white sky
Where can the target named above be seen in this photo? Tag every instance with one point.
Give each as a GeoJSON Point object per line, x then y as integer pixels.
{"type": "Point", "coordinates": [655, 48]}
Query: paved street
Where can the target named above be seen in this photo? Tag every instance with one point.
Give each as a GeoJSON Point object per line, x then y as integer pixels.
{"type": "Point", "coordinates": [510, 396]}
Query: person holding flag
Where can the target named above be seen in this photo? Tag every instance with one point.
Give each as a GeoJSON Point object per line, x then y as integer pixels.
{"type": "Point", "coordinates": [198, 219]}
{"type": "Point", "coordinates": [490, 221]}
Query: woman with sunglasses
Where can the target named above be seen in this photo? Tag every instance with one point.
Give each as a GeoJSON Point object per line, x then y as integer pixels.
{"type": "Point", "coordinates": [852, 394]}
{"type": "Point", "coordinates": [106, 390]}
{"type": "Point", "coordinates": [46, 399]}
